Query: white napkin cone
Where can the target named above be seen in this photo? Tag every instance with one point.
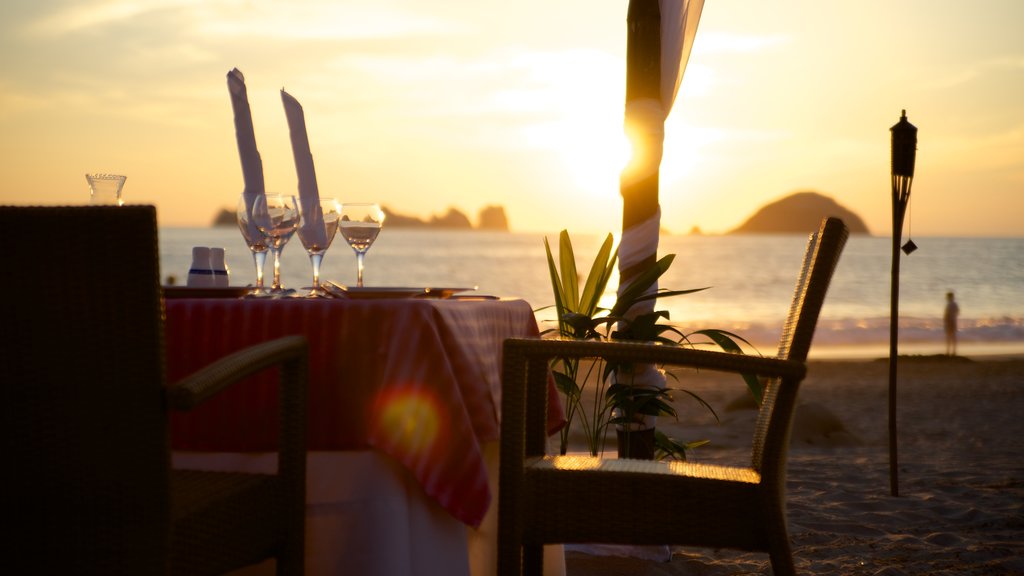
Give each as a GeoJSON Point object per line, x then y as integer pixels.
{"type": "Point", "coordinates": [252, 164]}
{"type": "Point", "coordinates": [312, 226]}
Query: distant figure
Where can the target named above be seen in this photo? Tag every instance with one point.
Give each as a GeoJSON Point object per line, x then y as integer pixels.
{"type": "Point", "coordinates": [949, 323]}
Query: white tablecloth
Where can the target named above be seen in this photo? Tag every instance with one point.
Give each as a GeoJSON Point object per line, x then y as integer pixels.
{"type": "Point", "coordinates": [367, 515]}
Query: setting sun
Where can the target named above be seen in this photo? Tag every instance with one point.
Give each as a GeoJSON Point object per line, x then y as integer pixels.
{"type": "Point", "coordinates": [595, 159]}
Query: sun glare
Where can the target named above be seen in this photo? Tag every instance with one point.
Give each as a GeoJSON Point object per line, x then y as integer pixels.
{"type": "Point", "coordinates": [595, 158]}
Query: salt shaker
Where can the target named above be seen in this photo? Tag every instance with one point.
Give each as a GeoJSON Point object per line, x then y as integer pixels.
{"type": "Point", "coordinates": [200, 275]}
{"type": "Point", "coordinates": [221, 274]}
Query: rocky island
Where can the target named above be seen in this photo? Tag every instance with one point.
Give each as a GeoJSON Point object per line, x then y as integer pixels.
{"type": "Point", "coordinates": [797, 213]}
{"type": "Point", "coordinates": [490, 218]}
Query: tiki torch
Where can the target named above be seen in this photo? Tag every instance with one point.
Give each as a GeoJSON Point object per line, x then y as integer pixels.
{"type": "Point", "coordinates": [904, 150]}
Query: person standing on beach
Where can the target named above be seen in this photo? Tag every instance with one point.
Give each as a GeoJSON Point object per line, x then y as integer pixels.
{"type": "Point", "coordinates": [949, 323]}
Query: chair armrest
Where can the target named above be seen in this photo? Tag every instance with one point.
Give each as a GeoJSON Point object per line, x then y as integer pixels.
{"type": "Point", "coordinates": [646, 352]}
{"type": "Point", "coordinates": [291, 353]}
{"type": "Point", "coordinates": [739, 363]}
{"type": "Point", "coordinates": [196, 388]}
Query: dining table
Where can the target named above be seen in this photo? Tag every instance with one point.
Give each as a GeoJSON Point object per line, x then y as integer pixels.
{"type": "Point", "coordinates": [403, 420]}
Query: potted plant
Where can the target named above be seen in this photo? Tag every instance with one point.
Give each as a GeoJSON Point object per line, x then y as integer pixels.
{"type": "Point", "coordinates": [619, 401]}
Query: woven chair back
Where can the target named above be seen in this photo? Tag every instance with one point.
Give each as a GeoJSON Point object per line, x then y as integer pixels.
{"type": "Point", "coordinates": [820, 259]}
{"type": "Point", "coordinates": [84, 427]}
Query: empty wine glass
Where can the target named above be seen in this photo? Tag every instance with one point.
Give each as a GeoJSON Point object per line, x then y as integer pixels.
{"type": "Point", "coordinates": [277, 216]}
{"type": "Point", "coordinates": [319, 225]}
{"type": "Point", "coordinates": [360, 224]}
{"type": "Point", "coordinates": [255, 239]}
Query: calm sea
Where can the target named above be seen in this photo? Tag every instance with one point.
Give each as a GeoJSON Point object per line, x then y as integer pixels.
{"type": "Point", "coordinates": [750, 280]}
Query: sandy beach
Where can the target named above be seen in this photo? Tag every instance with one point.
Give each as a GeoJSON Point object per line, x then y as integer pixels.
{"type": "Point", "coordinates": [960, 508]}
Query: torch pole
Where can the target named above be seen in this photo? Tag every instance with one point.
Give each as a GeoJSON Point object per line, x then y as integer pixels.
{"type": "Point", "coordinates": [894, 315]}
{"type": "Point", "coordinates": [904, 150]}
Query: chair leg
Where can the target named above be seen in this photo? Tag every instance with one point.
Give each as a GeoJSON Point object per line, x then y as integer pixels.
{"type": "Point", "coordinates": [291, 557]}
{"type": "Point", "coordinates": [779, 549]}
{"type": "Point", "coordinates": [782, 561]}
{"type": "Point", "coordinates": [291, 564]}
{"type": "Point", "coordinates": [533, 560]}
{"type": "Point", "coordinates": [510, 559]}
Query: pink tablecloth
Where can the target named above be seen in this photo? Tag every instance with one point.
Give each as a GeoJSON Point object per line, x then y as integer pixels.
{"type": "Point", "coordinates": [416, 379]}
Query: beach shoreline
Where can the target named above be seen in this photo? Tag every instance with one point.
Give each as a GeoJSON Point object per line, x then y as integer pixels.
{"type": "Point", "coordinates": [960, 508]}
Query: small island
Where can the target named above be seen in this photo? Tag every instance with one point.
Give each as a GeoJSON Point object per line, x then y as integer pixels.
{"type": "Point", "coordinates": [798, 213]}
{"type": "Point", "coordinates": [491, 218]}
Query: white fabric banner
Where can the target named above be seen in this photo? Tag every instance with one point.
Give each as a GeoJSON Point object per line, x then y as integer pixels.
{"type": "Point", "coordinates": [679, 19]}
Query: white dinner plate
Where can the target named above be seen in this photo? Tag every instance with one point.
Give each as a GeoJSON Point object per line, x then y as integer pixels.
{"type": "Point", "coordinates": [206, 291]}
{"type": "Point", "coordinates": [378, 292]}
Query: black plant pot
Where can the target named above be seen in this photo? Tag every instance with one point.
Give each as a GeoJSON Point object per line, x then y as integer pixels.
{"type": "Point", "coordinates": [636, 444]}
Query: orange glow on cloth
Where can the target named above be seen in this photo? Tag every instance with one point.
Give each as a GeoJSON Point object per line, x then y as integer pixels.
{"type": "Point", "coordinates": [410, 421]}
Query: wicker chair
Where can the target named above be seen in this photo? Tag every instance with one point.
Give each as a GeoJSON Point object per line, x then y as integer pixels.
{"type": "Point", "coordinates": [576, 499]}
{"type": "Point", "coordinates": [88, 486]}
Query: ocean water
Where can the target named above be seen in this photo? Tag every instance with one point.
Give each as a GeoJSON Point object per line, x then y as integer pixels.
{"type": "Point", "coordinates": [750, 281]}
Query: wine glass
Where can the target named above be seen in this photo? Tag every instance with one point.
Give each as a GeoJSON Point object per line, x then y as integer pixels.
{"type": "Point", "coordinates": [360, 224]}
{"type": "Point", "coordinates": [255, 239]}
{"type": "Point", "coordinates": [277, 216]}
{"type": "Point", "coordinates": [319, 225]}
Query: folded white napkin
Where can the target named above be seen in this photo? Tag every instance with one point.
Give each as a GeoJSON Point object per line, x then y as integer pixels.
{"type": "Point", "coordinates": [312, 226]}
{"type": "Point", "coordinates": [252, 164]}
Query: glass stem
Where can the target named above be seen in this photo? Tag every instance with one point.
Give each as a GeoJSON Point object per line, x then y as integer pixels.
{"type": "Point", "coordinates": [277, 269]}
{"type": "Point", "coordinates": [359, 269]}
{"type": "Point", "coordinates": [260, 258]}
{"type": "Point", "coordinates": [316, 259]}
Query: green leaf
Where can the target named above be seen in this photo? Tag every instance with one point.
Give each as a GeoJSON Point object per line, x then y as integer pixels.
{"type": "Point", "coordinates": [703, 403]}
{"type": "Point", "coordinates": [577, 325]}
{"type": "Point", "coordinates": [597, 280]}
{"type": "Point", "coordinates": [643, 326]}
{"type": "Point", "coordinates": [639, 284]}
{"type": "Point", "coordinates": [570, 282]}
{"type": "Point", "coordinates": [663, 293]}
{"type": "Point", "coordinates": [556, 284]}
{"type": "Point", "coordinates": [566, 384]}
{"type": "Point", "coordinates": [666, 447]}
{"type": "Point", "coordinates": [727, 342]}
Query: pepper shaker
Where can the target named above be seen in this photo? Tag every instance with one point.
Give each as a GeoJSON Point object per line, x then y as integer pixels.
{"type": "Point", "coordinates": [200, 275]}
{"type": "Point", "coordinates": [221, 274]}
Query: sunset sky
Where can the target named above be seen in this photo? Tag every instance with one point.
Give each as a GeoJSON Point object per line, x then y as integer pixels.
{"type": "Point", "coordinates": [422, 105]}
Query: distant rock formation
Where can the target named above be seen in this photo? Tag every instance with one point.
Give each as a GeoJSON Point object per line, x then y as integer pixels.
{"type": "Point", "coordinates": [224, 218]}
{"type": "Point", "coordinates": [452, 220]}
{"type": "Point", "coordinates": [393, 219]}
{"type": "Point", "coordinates": [493, 218]}
{"type": "Point", "coordinates": [490, 218]}
{"type": "Point", "coordinates": [797, 213]}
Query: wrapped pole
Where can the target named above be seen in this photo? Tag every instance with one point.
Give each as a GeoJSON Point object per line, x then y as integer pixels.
{"type": "Point", "coordinates": [644, 123]}
{"type": "Point", "coordinates": [904, 151]}
{"type": "Point", "coordinates": [645, 128]}
{"type": "Point", "coordinates": [660, 36]}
